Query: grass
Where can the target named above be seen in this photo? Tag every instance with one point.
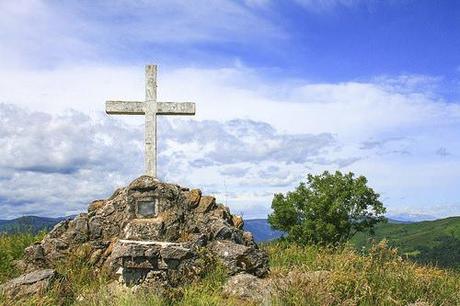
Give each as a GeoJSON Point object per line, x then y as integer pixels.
{"type": "Point", "coordinates": [380, 277]}
{"type": "Point", "coordinates": [11, 249]}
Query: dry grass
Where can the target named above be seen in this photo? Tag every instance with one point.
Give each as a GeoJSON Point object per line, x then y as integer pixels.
{"type": "Point", "coordinates": [380, 278]}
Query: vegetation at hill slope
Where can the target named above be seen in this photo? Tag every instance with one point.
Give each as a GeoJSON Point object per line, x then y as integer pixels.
{"type": "Point", "coordinates": [301, 275]}
{"type": "Point", "coordinates": [434, 242]}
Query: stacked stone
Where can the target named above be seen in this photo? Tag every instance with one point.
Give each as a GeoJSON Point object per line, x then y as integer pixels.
{"type": "Point", "coordinates": [151, 234]}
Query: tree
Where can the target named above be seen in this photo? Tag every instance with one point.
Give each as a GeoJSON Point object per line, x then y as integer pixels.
{"type": "Point", "coordinates": [328, 209]}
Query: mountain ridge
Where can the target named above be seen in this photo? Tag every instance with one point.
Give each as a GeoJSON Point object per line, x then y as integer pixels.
{"type": "Point", "coordinates": [33, 224]}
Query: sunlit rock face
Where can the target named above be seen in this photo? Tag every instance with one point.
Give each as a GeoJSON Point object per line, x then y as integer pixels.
{"type": "Point", "coordinates": [152, 234]}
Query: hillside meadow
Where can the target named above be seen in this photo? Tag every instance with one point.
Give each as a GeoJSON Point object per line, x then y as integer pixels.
{"type": "Point", "coordinates": [378, 277]}
{"type": "Point", "coordinates": [427, 242]}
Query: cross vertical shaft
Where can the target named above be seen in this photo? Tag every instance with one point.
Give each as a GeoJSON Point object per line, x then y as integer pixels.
{"type": "Point", "coordinates": [151, 120]}
{"type": "Point", "coordinates": [150, 108]}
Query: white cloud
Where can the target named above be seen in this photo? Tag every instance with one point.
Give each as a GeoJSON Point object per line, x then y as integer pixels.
{"type": "Point", "coordinates": [388, 134]}
{"type": "Point", "coordinates": [55, 164]}
{"type": "Point", "coordinates": [355, 109]}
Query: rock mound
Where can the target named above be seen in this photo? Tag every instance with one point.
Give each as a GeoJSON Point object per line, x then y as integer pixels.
{"type": "Point", "coordinates": [152, 234]}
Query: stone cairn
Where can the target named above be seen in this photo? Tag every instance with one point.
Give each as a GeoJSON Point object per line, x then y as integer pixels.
{"type": "Point", "coordinates": [146, 235]}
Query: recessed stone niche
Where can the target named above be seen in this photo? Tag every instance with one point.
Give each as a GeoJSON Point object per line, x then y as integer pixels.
{"type": "Point", "coordinates": [147, 207]}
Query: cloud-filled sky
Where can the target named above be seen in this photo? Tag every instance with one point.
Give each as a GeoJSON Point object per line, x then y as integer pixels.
{"type": "Point", "coordinates": [282, 89]}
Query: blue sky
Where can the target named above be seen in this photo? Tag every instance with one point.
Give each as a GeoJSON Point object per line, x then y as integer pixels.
{"type": "Point", "coordinates": [320, 40]}
{"type": "Point", "coordinates": [283, 88]}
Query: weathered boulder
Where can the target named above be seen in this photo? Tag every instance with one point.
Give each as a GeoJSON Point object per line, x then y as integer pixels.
{"type": "Point", "coordinates": [193, 197]}
{"type": "Point", "coordinates": [28, 284]}
{"type": "Point", "coordinates": [152, 234]}
{"type": "Point", "coordinates": [240, 258]}
{"type": "Point", "coordinates": [248, 287]}
{"type": "Point", "coordinates": [206, 204]}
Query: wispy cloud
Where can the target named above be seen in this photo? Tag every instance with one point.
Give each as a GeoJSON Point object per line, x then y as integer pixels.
{"type": "Point", "coordinates": [390, 143]}
{"type": "Point", "coordinates": [315, 6]}
{"type": "Point", "coordinates": [44, 34]}
{"type": "Point", "coordinates": [319, 6]}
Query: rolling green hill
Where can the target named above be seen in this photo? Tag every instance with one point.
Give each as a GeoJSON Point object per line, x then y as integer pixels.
{"type": "Point", "coordinates": [435, 242]}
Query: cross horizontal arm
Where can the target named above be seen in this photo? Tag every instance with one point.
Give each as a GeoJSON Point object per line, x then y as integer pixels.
{"type": "Point", "coordinates": [124, 107]}
{"type": "Point", "coordinates": [176, 108]}
{"type": "Point", "coordinates": [138, 108]}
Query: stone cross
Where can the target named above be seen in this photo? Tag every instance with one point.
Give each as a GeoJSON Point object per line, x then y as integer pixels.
{"type": "Point", "coordinates": [150, 108]}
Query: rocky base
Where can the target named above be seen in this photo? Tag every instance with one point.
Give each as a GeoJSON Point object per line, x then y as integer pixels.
{"type": "Point", "coordinates": [149, 234]}
{"type": "Point", "coordinates": [151, 260]}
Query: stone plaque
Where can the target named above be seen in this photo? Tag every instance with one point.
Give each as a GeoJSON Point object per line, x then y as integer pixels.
{"type": "Point", "coordinates": [146, 207]}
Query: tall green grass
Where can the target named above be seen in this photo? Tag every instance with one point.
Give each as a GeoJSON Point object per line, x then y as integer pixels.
{"type": "Point", "coordinates": [11, 249]}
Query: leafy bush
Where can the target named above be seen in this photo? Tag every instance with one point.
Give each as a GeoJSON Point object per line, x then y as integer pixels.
{"type": "Point", "coordinates": [328, 209]}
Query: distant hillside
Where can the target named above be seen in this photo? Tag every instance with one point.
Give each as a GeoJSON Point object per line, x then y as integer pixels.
{"type": "Point", "coordinates": [261, 230]}
{"type": "Point", "coordinates": [399, 221]}
{"type": "Point", "coordinates": [436, 242]}
{"type": "Point", "coordinates": [31, 224]}
{"type": "Point", "coordinates": [411, 217]}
